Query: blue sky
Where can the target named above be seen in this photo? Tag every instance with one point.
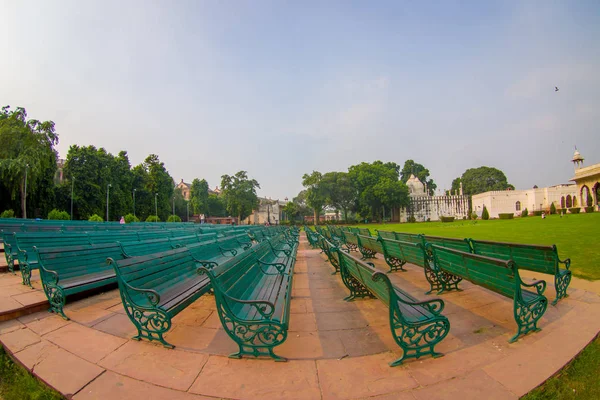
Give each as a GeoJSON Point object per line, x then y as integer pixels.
{"type": "Point", "coordinates": [283, 88]}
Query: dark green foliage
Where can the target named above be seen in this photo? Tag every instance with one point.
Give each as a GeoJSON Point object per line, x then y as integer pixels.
{"type": "Point", "coordinates": [589, 209]}
{"type": "Point", "coordinates": [411, 219]}
{"type": "Point", "coordinates": [552, 208]}
{"type": "Point", "coordinates": [152, 218]}
{"type": "Point", "coordinates": [7, 214]}
{"type": "Point", "coordinates": [95, 218]}
{"type": "Point", "coordinates": [26, 145]}
{"type": "Point", "coordinates": [58, 215]}
{"type": "Point", "coordinates": [485, 215]}
{"type": "Point", "coordinates": [216, 206]}
{"type": "Point", "coordinates": [199, 197]}
{"type": "Point", "coordinates": [480, 180]}
{"type": "Point", "coordinates": [506, 215]}
{"type": "Point", "coordinates": [339, 191]}
{"type": "Point", "coordinates": [574, 210]}
{"type": "Point", "coordinates": [422, 173]}
{"type": "Point", "coordinates": [239, 194]}
{"type": "Point", "coordinates": [524, 213]}
{"type": "Point", "coordinates": [447, 219]}
{"type": "Point", "coordinates": [174, 218]}
{"type": "Point", "coordinates": [129, 218]}
{"type": "Point", "coordinates": [316, 193]}
{"type": "Point", "coordinates": [17, 384]}
{"type": "Point", "coordinates": [473, 215]}
{"type": "Point", "coordinates": [537, 213]}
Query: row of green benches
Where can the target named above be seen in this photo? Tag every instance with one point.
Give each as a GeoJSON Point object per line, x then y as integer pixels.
{"type": "Point", "coordinates": [67, 270]}
{"type": "Point", "coordinates": [536, 258]}
{"type": "Point", "coordinates": [445, 268]}
{"type": "Point", "coordinates": [252, 284]}
{"type": "Point", "coordinates": [17, 242]}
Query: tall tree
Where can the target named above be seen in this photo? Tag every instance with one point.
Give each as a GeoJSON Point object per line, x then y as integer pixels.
{"type": "Point", "coordinates": [26, 148]}
{"type": "Point", "coordinates": [199, 196]}
{"type": "Point", "coordinates": [316, 193]}
{"type": "Point", "coordinates": [418, 170]}
{"type": "Point", "coordinates": [377, 186]}
{"type": "Point", "coordinates": [160, 184]}
{"type": "Point", "coordinates": [341, 194]}
{"type": "Point", "coordinates": [239, 193]}
{"type": "Point", "coordinates": [216, 206]}
{"type": "Point", "coordinates": [480, 180]}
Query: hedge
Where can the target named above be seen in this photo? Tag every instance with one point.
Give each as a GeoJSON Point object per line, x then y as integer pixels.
{"type": "Point", "coordinates": [506, 215]}
{"type": "Point", "coordinates": [537, 213]}
{"type": "Point", "coordinates": [174, 218]}
{"type": "Point", "coordinates": [58, 215]}
{"type": "Point", "coordinates": [152, 218]}
{"type": "Point", "coordinates": [485, 215]}
{"type": "Point", "coordinates": [447, 219]}
{"type": "Point", "coordinates": [7, 214]}
{"type": "Point", "coordinates": [574, 210]}
{"type": "Point", "coordinates": [589, 209]}
{"type": "Point", "coordinates": [95, 218]}
{"type": "Point", "coordinates": [524, 213]}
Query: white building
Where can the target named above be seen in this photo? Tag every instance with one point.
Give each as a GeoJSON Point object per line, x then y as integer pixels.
{"type": "Point", "coordinates": [536, 199]}
{"type": "Point", "coordinates": [268, 211]}
{"type": "Point", "coordinates": [424, 207]}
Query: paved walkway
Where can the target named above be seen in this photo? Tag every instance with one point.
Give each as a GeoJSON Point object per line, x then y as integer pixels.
{"type": "Point", "coordinates": [337, 350]}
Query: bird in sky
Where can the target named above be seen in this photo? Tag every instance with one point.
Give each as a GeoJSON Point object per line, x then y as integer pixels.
{"type": "Point", "coordinates": [556, 88]}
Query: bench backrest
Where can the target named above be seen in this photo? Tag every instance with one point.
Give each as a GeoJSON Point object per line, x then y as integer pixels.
{"type": "Point", "coordinates": [74, 261]}
{"type": "Point", "coordinates": [112, 237]}
{"type": "Point", "coordinates": [27, 241]}
{"type": "Point", "coordinates": [542, 259]}
{"type": "Point", "coordinates": [235, 276]}
{"type": "Point", "coordinates": [451, 243]}
{"type": "Point", "coordinates": [181, 241]}
{"type": "Point", "coordinates": [331, 251]}
{"type": "Point", "coordinates": [350, 238]}
{"type": "Point", "coordinates": [500, 276]}
{"type": "Point", "coordinates": [370, 243]}
{"type": "Point", "coordinates": [156, 271]}
{"type": "Point", "coordinates": [413, 253]}
{"type": "Point", "coordinates": [140, 248]}
{"type": "Point", "coordinates": [364, 273]}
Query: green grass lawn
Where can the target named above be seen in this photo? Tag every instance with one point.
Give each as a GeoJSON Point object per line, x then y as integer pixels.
{"type": "Point", "coordinates": [577, 236]}
{"type": "Point", "coordinates": [578, 380]}
{"type": "Point", "coordinates": [16, 383]}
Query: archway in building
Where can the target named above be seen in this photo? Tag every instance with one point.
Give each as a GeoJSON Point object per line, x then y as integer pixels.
{"type": "Point", "coordinates": [574, 201]}
{"type": "Point", "coordinates": [596, 193]}
{"type": "Point", "coordinates": [585, 196]}
{"type": "Point", "coordinates": [518, 206]}
{"type": "Point", "coordinates": [569, 201]}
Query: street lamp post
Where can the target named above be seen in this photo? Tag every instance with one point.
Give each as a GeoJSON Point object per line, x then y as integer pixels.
{"type": "Point", "coordinates": [25, 194]}
{"type": "Point", "coordinates": [134, 190]}
{"type": "Point", "coordinates": [72, 191]}
{"type": "Point", "coordinates": [107, 192]}
{"type": "Point", "coordinates": [173, 206]}
{"type": "Point", "coordinates": [187, 210]}
{"type": "Point", "coordinates": [156, 205]}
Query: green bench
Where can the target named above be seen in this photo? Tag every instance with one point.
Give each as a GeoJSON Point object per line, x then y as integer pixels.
{"type": "Point", "coordinates": [417, 326]}
{"type": "Point", "coordinates": [402, 237]}
{"type": "Point", "coordinates": [11, 252]}
{"type": "Point", "coordinates": [450, 243]}
{"type": "Point", "coordinates": [69, 270]}
{"type": "Point", "coordinates": [368, 246]}
{"type": "Point", "coordinates": [136, 249]}
{"type": "Point", "coordinates": [156, 287]}
{"type": "Point", "coordinates": [361, 231]}
{"type": "Point", "coordinates": [253, 303]}
{"type": "Point", "coordinates": [500, 276]}
{"type": "Point", "coordinates": [214, 252]}
{"type": "Point", "coordinates": [26, 241]}
{"type": "Point", "coordinates": [350, 241]}
{"type": "Point", "coordinates": [543, 259]}
{"type": "Point", "coordinates": [330, 251]}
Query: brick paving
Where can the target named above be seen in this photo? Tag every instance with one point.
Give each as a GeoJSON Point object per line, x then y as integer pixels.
{"type": "Point", "coordinates": [336, 349]}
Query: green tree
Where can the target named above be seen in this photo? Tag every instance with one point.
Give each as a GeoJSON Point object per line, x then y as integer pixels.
{"type": "Point", "coordinates": [377, 186]}
{"type": "Point", "coordinates": [26, 145]}
{"type": "Point", "coordinates": [481, 180]}
{"type": "Point", "coordinates": [418, 170]}
{"type": "Point", "coordinates": [291, 210]}
{"type": "Point", "coordinates": [239, 194]}
{"type": "Point", "coordinates": [199, 196]}
{"type": "Point", "coordinates": [485, 215]}
{"type": "Point", "coordinates": [316, 193]}
{"type": "Point", "coordinates": [160, 185]}
{"type": "Point", "coordinates": [340, 192]}
{"type": "Point", "coordinates": [216, 206]}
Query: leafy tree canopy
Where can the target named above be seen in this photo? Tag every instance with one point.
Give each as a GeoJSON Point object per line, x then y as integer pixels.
{"type": "Point", "coordinates": [422, 173]}
{"type": "Point", "coordinates": [239, 193]}
{"type": "Point", "coordinates": [316, 192]}
{"type": "Point", "coordinates": [480, 180]}
{"type": "Point", "coordinates": [199, 196]}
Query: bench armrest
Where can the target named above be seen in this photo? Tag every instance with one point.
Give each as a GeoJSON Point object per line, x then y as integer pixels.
{"type": "Point", "coordinates": [53, 274]}
{"type": "Point", "coordinates": [207, 264]}
{"type": "Point", "coordinates": [223, 250]}
{"type": "Point", "coordinates": [435, 306]}
{"type": "Point", "coordinates": [279, 266]}
{"type": "Point", "coordinates": [540, 286]}
{"type": "Point", "coordinates": [567, 262]}
{"type": "Point", "coordinates": [152, 295]}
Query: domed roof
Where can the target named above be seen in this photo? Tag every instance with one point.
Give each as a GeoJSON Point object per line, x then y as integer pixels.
{"type": "Point", "coordinates": [577, 156]}
{"type": "Point", "coordinates": [415, 186]}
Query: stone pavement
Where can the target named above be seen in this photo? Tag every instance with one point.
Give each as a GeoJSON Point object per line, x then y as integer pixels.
{"type": "Point", "coordinates": [336, 349]}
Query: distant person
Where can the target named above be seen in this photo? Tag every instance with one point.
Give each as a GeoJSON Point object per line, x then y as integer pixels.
{"type": "Point", "coordinates": [122, 220]}
{"type": "Point", "coordinates": [543, 215]}
{"type": "Point", "coordinates": [201, 218]}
